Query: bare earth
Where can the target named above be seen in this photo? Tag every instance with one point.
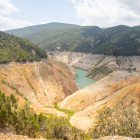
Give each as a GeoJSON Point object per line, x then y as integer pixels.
{"type": "Point", "coordinates": [10, 136]}
{"type": "Point", "coordinates": [107, 92]}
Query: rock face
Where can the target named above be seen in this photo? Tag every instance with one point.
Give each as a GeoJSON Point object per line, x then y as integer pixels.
{"type": "Point", "coordinates": [97, 65]}
{"type": "Point", "coordinates": [43, 83]}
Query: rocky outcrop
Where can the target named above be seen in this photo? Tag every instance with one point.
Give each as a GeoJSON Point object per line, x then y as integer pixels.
{"type": "Point", "coordinates": [98, 65]}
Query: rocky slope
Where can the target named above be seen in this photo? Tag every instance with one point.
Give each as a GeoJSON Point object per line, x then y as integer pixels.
{"type": "Point", "coordinates": [41, 83]}
{"type": "Point", "coordinates": [97, 65]}
{"type": "Point", "coordinates": [10, 136]}
{"type": "Point", "coordinates": [110, 90]}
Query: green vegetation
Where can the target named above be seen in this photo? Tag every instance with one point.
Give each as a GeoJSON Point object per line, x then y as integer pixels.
{"type": "Point", "coordinates": [26, 122]}
{"type": "Point", "coordinates": [3, 81]}
{"type": "Point", "coordinates": [69, 112]}
{"type": "Point", "coordinates": [131, 69]}
{"type": "Point", "coordinates": [19, 93]}
{"type": "Point", "coordinates": [13, 48]}
{"type": "Point", "coordinates": [22, 120]}
{"type": "Point", "coordinates": [121, 120]}
{"type": "Point", "coordinates": [99, 61]}
{"type": "Point", "coordinates": [100, 70]}
{"type": "Point", "coordinates": [118, 40]}
{"type": "Point", "coordinates": [118, 62]}
{"type": "Point", "coordinates": [61, 73]}
{"type": "Point", "coordinates": [56, 36]}
{"type": "Point", "coordinates": [29, 83]}
{"type": "Point", "coordinates": [31, 86]}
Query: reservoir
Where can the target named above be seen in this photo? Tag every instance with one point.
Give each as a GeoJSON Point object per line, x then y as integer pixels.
{"type": "Point", "coordinates": [81, 80]}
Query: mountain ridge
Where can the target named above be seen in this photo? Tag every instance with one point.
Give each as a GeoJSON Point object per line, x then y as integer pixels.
{"type": "Point", "coordinates": [118, 40]}
{"type": "Point", "coordinates": [56, 35]}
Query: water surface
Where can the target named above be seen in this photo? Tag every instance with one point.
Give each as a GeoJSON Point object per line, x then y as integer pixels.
{"type": "Point", "coordinates": [81, 79]}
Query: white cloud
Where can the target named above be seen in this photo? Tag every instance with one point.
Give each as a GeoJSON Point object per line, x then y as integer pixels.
{"type": "Point", "coordinates": [73, 1]}
{"type": "Point", "coordinates": [7, 23]}
{"type": "Point", "coordinates": [6, 7]}
{"type": "Point", "coordinates": [131, 4]}
{"type": "Point", "coordinates": [42, 22]}
{"type": "Point", "coordinates": [105, 13]}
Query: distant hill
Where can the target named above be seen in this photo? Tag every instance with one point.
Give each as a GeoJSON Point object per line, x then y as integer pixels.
{"type": "Point", "coordinates": [117, 40]}
{"type": "Point", "coordinates": [13, 48]}
{"type": "Point", "coordinates": [56, 36]}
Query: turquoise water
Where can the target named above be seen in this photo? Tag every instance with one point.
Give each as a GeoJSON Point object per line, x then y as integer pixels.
{"type": "Point", "coordinates": [81, 79]}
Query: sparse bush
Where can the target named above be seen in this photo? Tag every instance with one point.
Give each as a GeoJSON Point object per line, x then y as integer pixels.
{"type": "Point", "coordinates": [26, 122]}
{"type": "Point", "coordinates": [57, 127]}
{"type": "Point", "coordinates": [3, 81]}
{"type": "Point", "coordinates": [120, 120]}
{"type": "Point", "coordinates": [100, 70]}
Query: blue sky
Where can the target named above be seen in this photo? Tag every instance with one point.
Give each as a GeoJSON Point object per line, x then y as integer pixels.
{"type": "Point", "coordinates": [103, 13]}
{"type": "Point", "coordinates": [45, 11]}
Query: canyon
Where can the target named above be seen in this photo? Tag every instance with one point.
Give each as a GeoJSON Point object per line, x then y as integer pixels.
{"type": "Point", "coordinates": [51, 81]}
{"type": "Point", "coordinates": [122, 84]}
{"type": "Point", "coordinates": [46, 82]}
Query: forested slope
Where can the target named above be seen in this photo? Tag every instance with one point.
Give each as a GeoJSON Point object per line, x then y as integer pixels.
{"type": "Point", "coordinates": [13, 48]}
{"type": "Point", "coordinates": [56, 36]}
{"type": "Point", "coordinates": [118, 40]}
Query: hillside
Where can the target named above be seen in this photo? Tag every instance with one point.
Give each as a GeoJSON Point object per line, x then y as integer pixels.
{"type": "Point", "coordinates": [107, 92]}
{"type": "Point", "coordinates": [43, 83]}
{"type": "Point", "coordinates": [56, 36]}
{"type": "Point", "coordinates": [117, 40]}
{"type": "Point", "coordinates": [46, 82]}
{"type": "Point", "coordinates": [13, 48]}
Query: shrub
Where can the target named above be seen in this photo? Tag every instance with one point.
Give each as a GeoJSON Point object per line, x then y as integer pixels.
{"type": "Point", "coordinates": [26, 122]}
{"type": "Point", "coordinates": [121, 120]}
